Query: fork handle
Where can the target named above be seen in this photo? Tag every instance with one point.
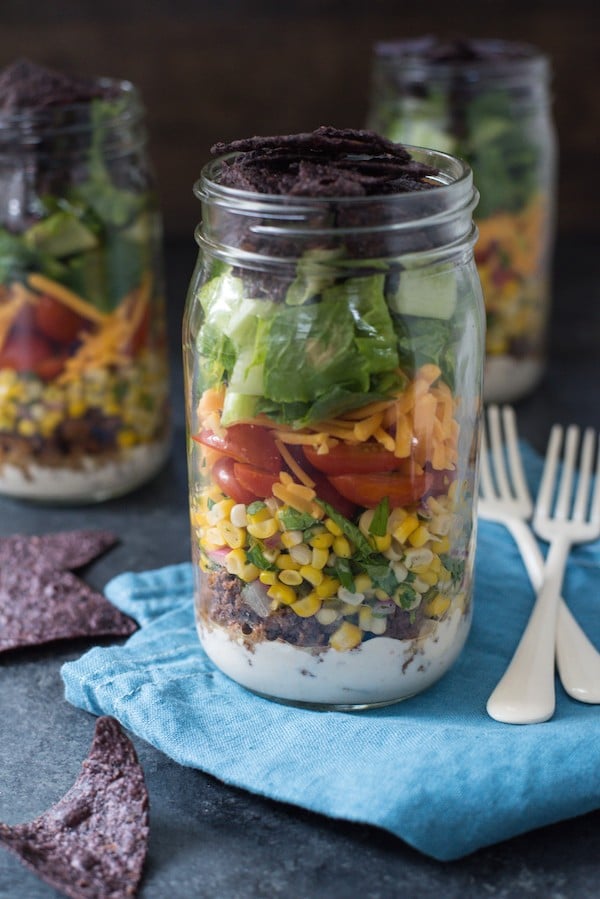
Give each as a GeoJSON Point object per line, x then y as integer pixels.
{"type": "Point", "coordinates": [525, 693]}
{"type": "Point", "coordinates": [577, 659]}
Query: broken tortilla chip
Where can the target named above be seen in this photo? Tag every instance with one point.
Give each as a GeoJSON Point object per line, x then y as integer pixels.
{"type": "Point", "coordinates": [92, 844]}
{"type": "Point", "coordinates": [41, 600]}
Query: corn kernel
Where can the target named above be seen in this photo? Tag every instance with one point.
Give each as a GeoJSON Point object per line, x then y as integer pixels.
{"type": "Point", "coordinates": [342, 548]}
{"type": "Point", "coordinates": [419, 536]}
{"type": "Point", "coordinates": [290, 577]}
{"type": "Point", "coordinates": [382, 543]}
{"type": "Point", "coordinates": [268, 577]}
{"type": "Point", "coordinates": [405, 529]}
{"type": "Point", "coordinates": [365, 618]}
{"type": "Point", "coordinates": [319, 558]}
{"type": "Point", "coordinates": [284, 560]}
{"type": "Point", "coordinates": [328, 587]}
{"type": "Point", "coordinates": [261, 514]}
{"type": "Point", "coordinates": [321, 541]}
{"type": "Point", "coordinates": [213, 537]}
{"type": "Point", "coordinates": [437, 606]}
{"type": "Point", "coordinates": [220, 510]}
{"type": "Point", "coordinates": [327, 616]}
{"type": "Point", "coordinates": [237, 564]}
{"type": "Point", "coordinates": [333, 527]}
{"type": "Point", "coordinates": [238, 515]}
{"type": "Point", "coordinates": [26, 427]}
{"type": "Point", "coordinates": [350, 598]}
{"type": "Point", "coordinates": [429, 576]}
{"type": "Point", "coordinates": [313, 575]}
{"type": "Point", "coordinates": [232, 536]}
{"type": "Point", "coordinates": [77, 408]}
{"type": "Point", "coordinates": [346, 637]}
{"type": "Point", "coordinates": [126, 438]}
{"type": "Point", "coordinates": [378, 625]}
{"type": "Point", "coordinates": [364, 522]}
{"type": "Point", "coordinates": [263, 529]}
{"type": "Point", "coordinates": [307, 606]}
{"type": "Point", "coordinates": [302, 554]}
{"type": "Point", "coordinates": [362, 582]}
{"type": "Point", "coordinates": [291, 538]}
{"type": "Point", "coordinates": [441, 546]}
{"type": "Point", "coordinates": [282, 593]}
{"type": "Point", "coordinates": [420, 558]}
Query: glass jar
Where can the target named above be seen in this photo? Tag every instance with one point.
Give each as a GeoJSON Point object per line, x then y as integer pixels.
{"type": "Point", "coordinates": [333, 356]}
{"type": "Point", "coordinates": [488, 102]}
{"type": "Point", "coordinates": [83, 352]}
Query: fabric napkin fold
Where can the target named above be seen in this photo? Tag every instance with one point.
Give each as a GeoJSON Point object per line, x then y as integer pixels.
{"type": "Point", "coordinates": [435, 770]}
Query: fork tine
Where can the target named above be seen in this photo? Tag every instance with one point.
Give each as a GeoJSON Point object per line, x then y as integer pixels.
{"type": "Point", "coordinates": [585, 476]}
{"type": "Point", "coordinates": [486, 482]}
{"type": "Point", "coordinates": [497, 444]}
{"type": "Point", "coordinates": [514, 456]}
{"type": "Point", "coordinates": [563, 501]}
{"type": "Point", "coordinates": [595, 506]}
{"type": "Point", "coordinates": [546, 491]}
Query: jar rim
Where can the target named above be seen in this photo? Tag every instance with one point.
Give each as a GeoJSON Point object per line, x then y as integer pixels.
{"type": "Point", "coordinates": [498, 58]}
{"type": "Point", "coordinates": [65, 117]}
{"type": "Point", "coordinates": [456, 171]}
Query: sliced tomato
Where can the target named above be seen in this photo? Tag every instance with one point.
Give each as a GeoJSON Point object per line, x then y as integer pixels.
{"type": "Point", "coordinates": [347, 458]}
{"type": "Point", "coordinates": [249, 444]}
{"type": "Point", "coordinates": [56, 321]}
{"type": "Point", "coordinates": [255, 480]}
{"type": "Point", "coordinates": [32, 353]}
{"type": "Point", "coordinates": [368, 490]}
{"type": "Point", "coordinates": [326, 491]}
{"type": "Point", "coordinates": [224, 475]}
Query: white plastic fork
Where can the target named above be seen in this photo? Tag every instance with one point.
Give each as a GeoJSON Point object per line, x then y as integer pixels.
{"type": "Point", "coordinates": [505, 498]}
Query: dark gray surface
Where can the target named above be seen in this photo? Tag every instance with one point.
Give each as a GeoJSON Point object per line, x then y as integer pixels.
{"type": "Point", "coordinates": [211, 840]}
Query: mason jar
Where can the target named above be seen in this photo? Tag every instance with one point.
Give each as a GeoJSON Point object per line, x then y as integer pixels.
{"type": "Point", "coordinates": [84, 405]}
{"type": "Point", "coordinates": [333, 356]}
{"type": "Point", "coordinates": [488, 102]}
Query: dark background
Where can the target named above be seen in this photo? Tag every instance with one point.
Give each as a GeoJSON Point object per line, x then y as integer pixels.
{"type": "Point", "coordinates": [218, 69]}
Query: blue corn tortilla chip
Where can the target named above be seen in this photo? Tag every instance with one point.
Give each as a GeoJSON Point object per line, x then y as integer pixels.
{"type": "Point", "coordinates": [92, 843]}
{"type": "Point", "coordinates": [41, 600]}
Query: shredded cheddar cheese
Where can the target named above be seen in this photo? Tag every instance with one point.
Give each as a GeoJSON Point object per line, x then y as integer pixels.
{"type": "Point", "coordinates": [418, 423]}
{"type": "Point", "coordinates": [108, 345]}
{"type": "Point", "coordinates": [43, 284]}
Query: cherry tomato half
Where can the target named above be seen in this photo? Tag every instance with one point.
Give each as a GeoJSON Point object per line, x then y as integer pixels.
{"type": "Point", "coordinates": [369, 489]}
{"type": "Point", "coordinates": [250, 444]}
{"type": "Point", "coordinates": [32, 353]}
{"type": "Point", "coordinates": [56, 321]}
{"type": "Point", "coordinates": [347, 458]}
{"type": "Point", "coordinates": [224, 475]}
{"type": "Point", "coordinates": [256, 481]}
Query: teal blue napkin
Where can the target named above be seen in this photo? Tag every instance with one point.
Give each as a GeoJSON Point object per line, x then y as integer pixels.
{"type": "Point", "coordinates": [434, 770]}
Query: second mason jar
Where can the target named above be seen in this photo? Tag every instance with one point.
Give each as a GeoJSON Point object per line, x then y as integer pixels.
{"type": "Point", "coordinates": [333, 352]}
{"type": "Point", "coordinates": [487, 101]}
{"type": "Point", "coordinates": [84, 392]}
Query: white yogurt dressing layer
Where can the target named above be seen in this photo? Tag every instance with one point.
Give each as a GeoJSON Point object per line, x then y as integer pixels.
{"type": "Point", "coordinates": [93, 481]}
{"type": "Point", "coordinates": [379, 671]}
{"type": "Point", "coordinates": [507, 379]}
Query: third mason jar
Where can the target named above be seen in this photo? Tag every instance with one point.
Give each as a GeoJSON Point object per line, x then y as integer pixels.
{"type": "Point", "coordinates": [487, 101]}
{"type": "Point", "coordinates": [333, 353]}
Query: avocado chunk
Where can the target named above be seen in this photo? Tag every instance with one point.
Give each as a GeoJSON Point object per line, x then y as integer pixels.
{"type": "Point", "coordinates": [61, 234]}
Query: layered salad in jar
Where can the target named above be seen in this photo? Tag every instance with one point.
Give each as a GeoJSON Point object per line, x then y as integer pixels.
{"type": "Point", "coordinates": [83, 371]}
{"type": "Point", "coordinates": [487, 102]}
{"type": "Point", "coordinates": [332, 457]}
